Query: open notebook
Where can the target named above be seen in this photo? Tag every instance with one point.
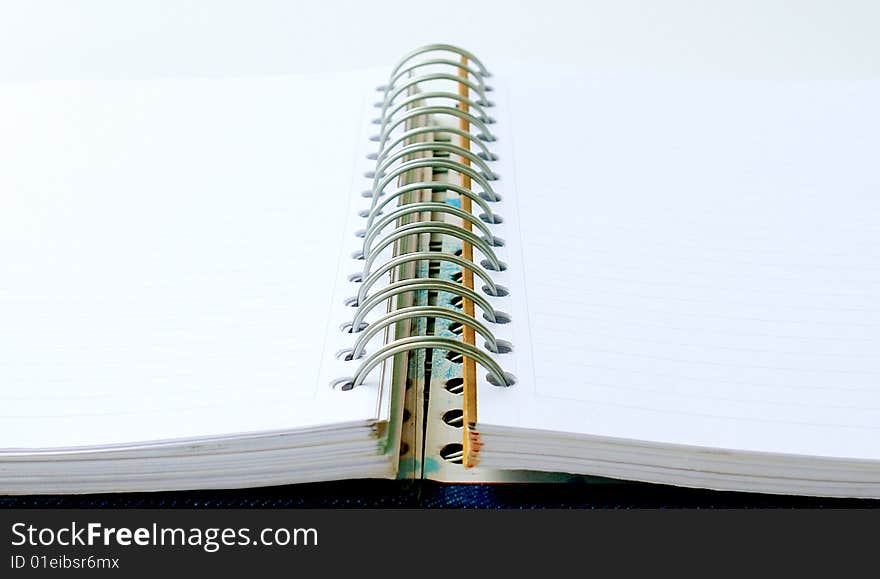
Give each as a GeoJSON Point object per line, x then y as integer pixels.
{"type": "Point", "coordinates": [254, 281]}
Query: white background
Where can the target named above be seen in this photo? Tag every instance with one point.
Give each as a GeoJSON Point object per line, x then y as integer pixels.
{"type": "Point", "coordinates": [160, 38]}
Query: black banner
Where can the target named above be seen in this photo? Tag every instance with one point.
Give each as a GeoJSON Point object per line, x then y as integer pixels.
{"type": "Point", "coordinates": [133, 543]}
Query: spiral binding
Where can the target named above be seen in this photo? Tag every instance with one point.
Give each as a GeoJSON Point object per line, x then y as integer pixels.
{"type": "Point", "coordinates": [412, 93]}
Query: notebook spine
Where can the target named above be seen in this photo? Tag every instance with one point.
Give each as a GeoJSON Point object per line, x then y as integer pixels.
{"type": "Point", "coordinates": [420, 111]}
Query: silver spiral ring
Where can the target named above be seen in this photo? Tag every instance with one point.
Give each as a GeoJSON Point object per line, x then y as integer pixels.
{"type": "Point", "coordinates": [421, 312]}
{"type": "Point", "coordinates": [447, 164]}
{"type": "Point", "coordinates": [424, 96]}
{"type": "Point", "coordinates": [484, 133]}
{"type": "Point", "coordinates": [376, 209]}
{"type": "Point", "coordinates": [407, 285]}
{"type": "Point", "coordinates": [392, 93]}
{"type": "Point", "coordinates": [368, 282]}
{"type": "Point", "coordinates": [485, 153]}
{"type": "Point", "coordinates": [370, 253]}
{"type": "Point", "coordinates": [414, 148]}
{"type": "Point", "coordinates": [426, 207]}
{"type": "Point", "coordinates": [440, 48]}
{"type": "Point", "coordinates": [472, 72]}
{"type": "Point", "coordinates": [421, 343]}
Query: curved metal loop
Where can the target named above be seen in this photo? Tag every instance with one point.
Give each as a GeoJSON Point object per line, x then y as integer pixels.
{"type": "Point", "coordinates": [432, 147]}
{"type": "Point", "coordinates": [395, 91]}
{"type": "Point", "coordinates": [484, 132]}
{"type": "Point", "coordinates": [440, 48]}
{"type": "Point", "coordinates": [433, 186]}
{"type": "Point", "coordinates": [485, 153]}
{"type": "Point", "coordinates": [474, 73]}
{"type": "Point", "coordinates": [421, 342]}
{"type": "Point", "coordinates": [370, 253]}
{"type": "Point", "coordinates": [408, 285]}
{"type": "Point", "coordinates": [447, 164]}
{"type": "Point", "coordinates": [386, 267]}
{"type": "Point", "coordinates": [421, 312]}
{"type": "Point", "coordinates": [427, 206]}
{"type": "Point", "coordinates": [422, 96]}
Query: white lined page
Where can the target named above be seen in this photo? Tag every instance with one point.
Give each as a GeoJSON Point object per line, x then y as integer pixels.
{"type": "Point", "coordinates": [702, 262]}
{"type": "Point", "coordinates": [168, 250]}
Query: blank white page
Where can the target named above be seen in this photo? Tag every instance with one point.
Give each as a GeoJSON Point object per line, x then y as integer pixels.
{"type": "Point", "coordinates": [168, 253]}
{"type": "Point", "coordinates": [701, 262]}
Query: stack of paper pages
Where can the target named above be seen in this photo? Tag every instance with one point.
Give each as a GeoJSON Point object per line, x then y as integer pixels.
{"type": "Point", "coordinates": [169, 259]}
